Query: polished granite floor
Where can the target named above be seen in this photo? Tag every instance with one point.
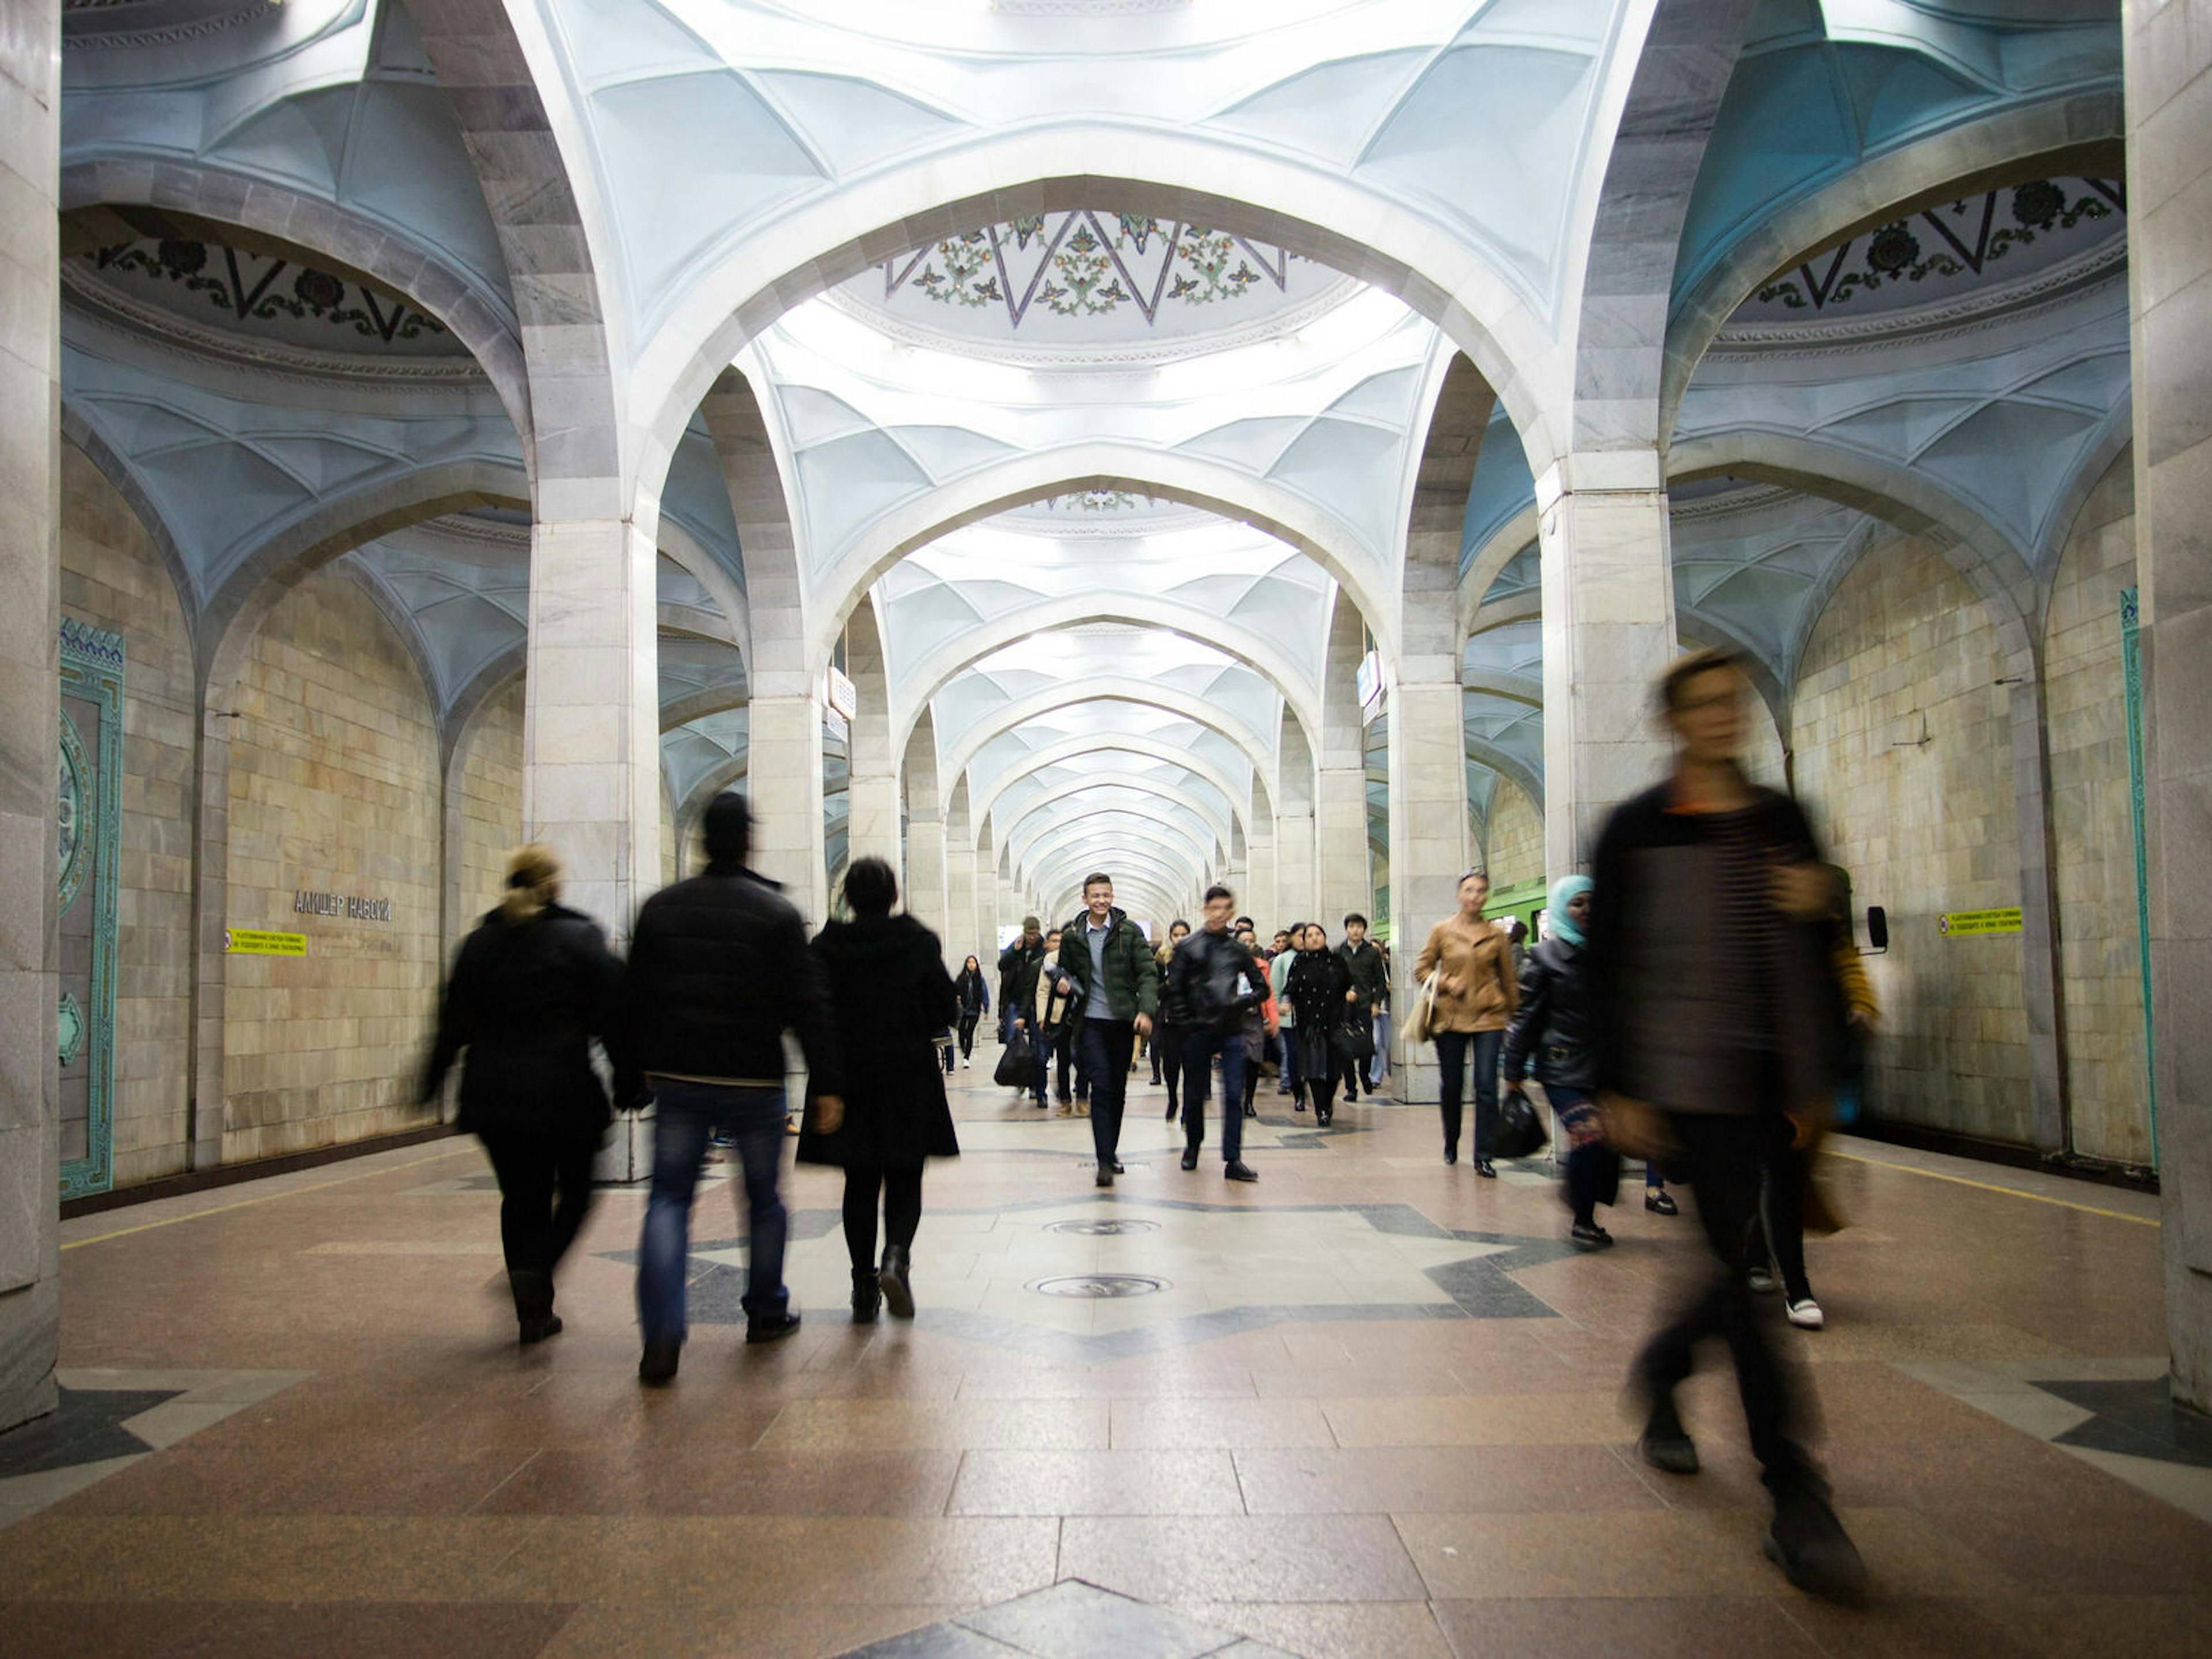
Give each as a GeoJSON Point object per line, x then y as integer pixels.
{"type": "Point", "coordinates": [1368, 1406]}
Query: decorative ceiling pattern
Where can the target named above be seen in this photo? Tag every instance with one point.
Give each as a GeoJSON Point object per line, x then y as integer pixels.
{"type": "Point", "coordinates": [271, 298]}
{"type": "Point", "coordinates": [2001, 235]}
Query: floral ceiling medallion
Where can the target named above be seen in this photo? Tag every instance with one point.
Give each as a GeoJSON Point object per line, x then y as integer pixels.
{"type": "Point", "coordinates": [1086, 263]}
{"type": "Point", "coordinates": [1954, 246]}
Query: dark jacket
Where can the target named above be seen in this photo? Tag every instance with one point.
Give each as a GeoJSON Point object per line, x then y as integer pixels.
{"type": "Point", "coordinates": [1018, 977]}
{"type": "Point", "coordinates": [1201, 993]}
{"type": "Point", "coordinates": [719, 971]}
{"type": "Point", "coordinates": [1133, 977]}
{"type": "Point", "coordinates": [1370, 975]}
{"type": "Point", "coordinates": [975, 991]}
{"type": "Point", "coordinates": [526, 1000]}
{"type": "Point", "coordinates": [891, 997]}
{"type": "Point", "coordinates": [1551, 1025]}
{"type": "Point", "coordinates": [1314, 988]}
{"type": "Point", "coordinates": [1660, 984]}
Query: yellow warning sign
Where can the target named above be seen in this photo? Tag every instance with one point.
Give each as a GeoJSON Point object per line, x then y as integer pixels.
{"type": "Point", "coordinates": [1957, 924]}
{"type": "Point", "coordinates": [254, 942]}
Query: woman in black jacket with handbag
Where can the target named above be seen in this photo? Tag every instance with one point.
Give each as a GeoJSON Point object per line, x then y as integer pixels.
{"type": "Point", "coordinates": [891, 997]}
{"type": "Point", "coordinates": [1320, 990]}
{"type": "Point", "coordinates": [533, 984]}
{"type": "Point", "coordinates": [1552, 1026]}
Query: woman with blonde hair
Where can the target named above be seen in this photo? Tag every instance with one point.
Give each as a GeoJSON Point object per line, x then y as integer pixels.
{"type": "Point", "coordinates": [533, 985]}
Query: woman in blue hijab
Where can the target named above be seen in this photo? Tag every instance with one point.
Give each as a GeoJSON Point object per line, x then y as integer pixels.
{"type": "Point", "coordinates": [1551, 1030]}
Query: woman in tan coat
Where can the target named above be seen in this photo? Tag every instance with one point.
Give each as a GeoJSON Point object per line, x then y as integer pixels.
{"type": "Point", "coordinates": [1475, 997]}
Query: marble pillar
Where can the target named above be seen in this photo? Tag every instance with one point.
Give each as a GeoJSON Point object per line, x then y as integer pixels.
{"type": "Point", "coordinates": [2169, 114]}
{"type": "Point", "coordinates": [875, 829]}
{"type": "Point", "coordinates": [590, 784]}
{"type": "Point", "coordinates": [30, 667]}
{"type": "Point", "coordinates": [783, 785]}
{"type": "Point", "coordinates": [1297, 886]}
{"type": "Point", "coordinates": [925, 878]}
{"type": "Point", "coordinates": [1343, 879]}
{"type": "Point", "coordinates": [962, 938]}
{"type": "Point", "coordinates": [1266, 902]}
{"type": "Point", "coordinates": [1609, 633]}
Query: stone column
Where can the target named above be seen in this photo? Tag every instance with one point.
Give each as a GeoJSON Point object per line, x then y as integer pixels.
{"type": "Point", "coordinates": [591, 785]}
{"type": "Point", "coordinates": [1260, 864]}
{"type": "Point", "coordinates": [1343, 880]}
{"type": "Point", "coordinates": [875, 827]}
{"type": "Point", "coordinates": [30, 667]}
{"type": "Point", "coordinates": [2169, 92]}
{"type": "Point", "coordinates": [783, 785]}
{"type": "Point", "coordinates": [1297, 889]}
{"type": "Point", "coordinates": [961, 937]}
{"type": "Point", "coordinates": [1428, 783]}
{"type": "Point", "coordinates": [1609, 590]}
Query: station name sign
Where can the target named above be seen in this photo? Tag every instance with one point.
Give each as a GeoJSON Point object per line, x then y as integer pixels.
{"type": "Point", "coordinates": [354, 907]}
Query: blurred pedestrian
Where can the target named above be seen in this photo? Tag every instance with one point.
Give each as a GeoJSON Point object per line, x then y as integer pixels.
{"type": "Point", "coordinates": [1167, 1038]}
{"type": "Point", "coordinates": [533, 985]}
{"type": "Point", "coordinates": [1713, 1012]}
{"type": "Point", "coordinates": [1476, 996]}
{"type": "Point", "coordinates": [1212, 983]}
{"type": "Point", "coordinates": [890, 996]}
{"type": "Point", "coordinates": [719, 971]}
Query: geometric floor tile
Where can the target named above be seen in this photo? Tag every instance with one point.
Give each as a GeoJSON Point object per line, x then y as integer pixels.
{"type": "Point", "coordinates": [1071, 1620]}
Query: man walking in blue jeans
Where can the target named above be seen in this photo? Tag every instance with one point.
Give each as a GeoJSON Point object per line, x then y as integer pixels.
{"type": "Point", "coordinates": [719, 971]}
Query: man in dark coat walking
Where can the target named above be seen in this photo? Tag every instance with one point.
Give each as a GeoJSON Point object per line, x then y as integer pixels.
{"type": "Point", "coordinates": [1112, 980]}
{"type": "Point", "coordinates": [719, 971]}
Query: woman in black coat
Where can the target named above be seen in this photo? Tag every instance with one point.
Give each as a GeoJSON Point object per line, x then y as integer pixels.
{"type": "Point", "coordinates": [975, 991]}
{"type": "Point", "coordinates": [1319, 987]}
{"type": "Point", "coordinates": [891, 997]}
{"type": "Point", "coordinates": [533, 984]}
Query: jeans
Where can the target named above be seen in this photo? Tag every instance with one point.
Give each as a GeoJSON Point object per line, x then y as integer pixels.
{"type": "Point", "coordinates": [1290, 1077]}
{"type": "Point", "coordinates": [535, 1229]}
{"type": "Point", "coordinates": [1454, 1050]}
{"type": "Point", "coordinates": [685, 1113]}
{"type": "Point", "coordinates": [1106, 1046]}
{"type": "Point", "coordinates": [1380, 1065]}
{"type": "Point", "coordinates": [1199, 1048]}
{"type": "Point", "coordinates": [1724, 1155]}
{"type": "Point", "coordinates": [901, 1187]}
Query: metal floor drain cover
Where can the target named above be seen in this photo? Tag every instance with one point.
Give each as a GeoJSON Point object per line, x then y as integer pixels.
{"type": "Point", "coordinates": [1099, 1287]}
{"type": "Point", "coordinates": [1102, 1229]}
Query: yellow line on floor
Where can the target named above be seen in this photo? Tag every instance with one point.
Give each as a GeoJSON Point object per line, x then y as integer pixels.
{"type": "Point", "coordinates": [1992, 1187]}
{"type": "Point", "coordinates": [289, 1192]}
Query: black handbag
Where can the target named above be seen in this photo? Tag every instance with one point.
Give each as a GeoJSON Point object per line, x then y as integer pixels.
{"type": "Point", "coordinates": [1017, 1067]}
{"type": "Point", "coordinates": [1355, 1035]}
{"type": "Point", "coordinates": [1520, 1131]}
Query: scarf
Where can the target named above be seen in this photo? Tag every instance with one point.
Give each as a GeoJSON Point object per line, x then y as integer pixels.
{"type": "Point", "coordinates": [1565, 891]}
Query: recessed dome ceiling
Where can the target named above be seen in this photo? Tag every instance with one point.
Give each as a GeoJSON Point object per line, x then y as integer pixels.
{"type": "Point", "coordinates": [1083, 279]}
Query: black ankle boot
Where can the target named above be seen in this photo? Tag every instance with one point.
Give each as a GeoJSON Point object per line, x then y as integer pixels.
{"type": "Point", "coordinates": [867, 1296]}
{"type": "Point", "coordinates": [898, 1292]}
{"type": "Point", "coordinates": [534, 1318]}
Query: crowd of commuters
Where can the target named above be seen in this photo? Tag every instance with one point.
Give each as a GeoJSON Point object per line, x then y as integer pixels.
{"type": "Point", "coordinates": [1696, 1001]}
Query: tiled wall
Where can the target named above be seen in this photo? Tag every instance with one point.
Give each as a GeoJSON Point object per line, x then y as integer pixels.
{"type": "Point", "coordinates": [113, 577]}
{"type": "Point", "coordinates": [334, 785]}
{"type": "Point", "coordinates": [1905, 648]}
{"type": "Point", "coordinates": [1515, 850]}
{"type": "Point", "coordinates": [2092, 846]}
{"type": "Point", "coordinates": [491, 780]}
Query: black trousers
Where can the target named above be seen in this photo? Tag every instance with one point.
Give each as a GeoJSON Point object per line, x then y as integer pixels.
{"type": "Point", "coordinates": [1723, 1156]}
{"type": "Point", "coordinates": [1456, 1053]}
{"type": "Point", "coordinates": [899, 1185]}
{"type": "Point", "coordinates": [1107, 1045]}
{"type": "Point", "coordinates": [968, 1034]}
{"type": "Point", "coordinates": [1167, 1062]}
{"type": "Point", "coordinates": [536, 1226]}
{"type": "Point", "coordinates": [1778, 1228]}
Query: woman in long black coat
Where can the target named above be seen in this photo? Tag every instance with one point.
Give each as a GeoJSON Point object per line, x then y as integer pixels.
{"type": "Point", "coordinates": [1319, 986]}
{"type": "Point", "coordinates": [533, 984]}
{"type": "Point", "coordinates": [891, 996]}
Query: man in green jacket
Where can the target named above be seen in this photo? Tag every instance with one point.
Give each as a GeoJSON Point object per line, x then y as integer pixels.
{"type": "Point", "coordinates": [1112, 980]}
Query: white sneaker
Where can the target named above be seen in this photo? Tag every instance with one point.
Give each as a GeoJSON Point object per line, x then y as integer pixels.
{"type": "Point", "coordinates": [1805, 1314]}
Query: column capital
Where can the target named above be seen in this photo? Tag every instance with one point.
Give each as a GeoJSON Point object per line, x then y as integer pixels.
{"type": "Point", "coordinates": [1586, 472]}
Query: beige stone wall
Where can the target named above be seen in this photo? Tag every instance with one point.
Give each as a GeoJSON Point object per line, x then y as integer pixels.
{"type": "Point", "coordinates": [1762, 752]}
{"type": "Point", "coordinates": [113, 577]}
{"type": "Point", "coordinates": [490, 808]}
{"type": "Point", "coordinates": [1905, 647]}
{"type": "Point", "coordinates": [334, 786]}
{"type": "Point", "coordinates": [1513, 850]}
{"type": "Point", "coordinates": [2092, 848]}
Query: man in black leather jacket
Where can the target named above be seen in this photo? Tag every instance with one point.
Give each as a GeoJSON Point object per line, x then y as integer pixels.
{"type": "Point", "coordinates": [719, 971]}
{"type": "Point", "coordinates": [1212, 983]}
